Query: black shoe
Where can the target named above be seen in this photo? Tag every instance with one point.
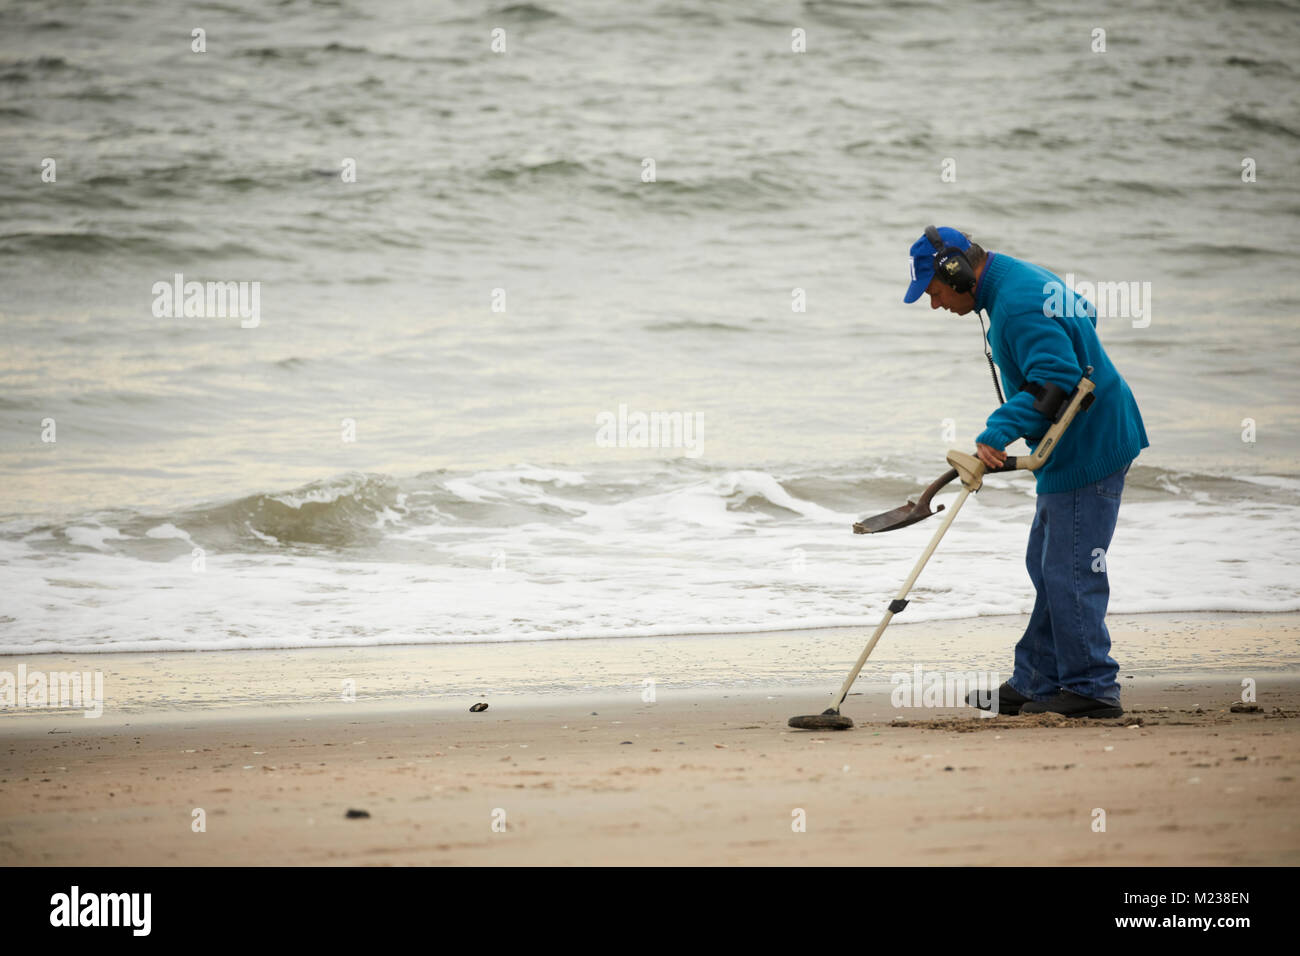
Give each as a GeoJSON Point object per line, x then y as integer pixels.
{"type": "Point", "coordinates": [1069, 704]}
{"type": "Point", "coordinates": [1006, 703]}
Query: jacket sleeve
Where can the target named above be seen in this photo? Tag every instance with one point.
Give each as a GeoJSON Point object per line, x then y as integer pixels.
{"type": "Point", "coordinates": [1041, 352]}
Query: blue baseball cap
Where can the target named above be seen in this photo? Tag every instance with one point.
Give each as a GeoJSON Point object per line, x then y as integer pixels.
{"type": "Point", "coordinates": [922, 261]}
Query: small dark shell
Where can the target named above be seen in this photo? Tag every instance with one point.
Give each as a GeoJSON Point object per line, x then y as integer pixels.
{"type": "Point", "coordinates": [478, 708]}
{"type": "Point", "coordinates": [358, 814]}
{"type": "Point", "coordinates": [1241, 707]}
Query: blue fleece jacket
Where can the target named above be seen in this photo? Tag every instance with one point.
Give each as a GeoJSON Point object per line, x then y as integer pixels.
{"type": "Point", "coordinates": [1031, 346]}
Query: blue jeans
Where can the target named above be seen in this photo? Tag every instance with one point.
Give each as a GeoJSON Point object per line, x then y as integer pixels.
{"type": "Point", "coordinates": [1066, 645]}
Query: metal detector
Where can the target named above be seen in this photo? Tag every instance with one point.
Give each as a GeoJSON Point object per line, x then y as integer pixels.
{"type": "Point", "coordinates": [971, 471]}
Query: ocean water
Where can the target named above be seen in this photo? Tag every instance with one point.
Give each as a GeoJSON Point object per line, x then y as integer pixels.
{"type": "Point", "coordinates": [385, 457]}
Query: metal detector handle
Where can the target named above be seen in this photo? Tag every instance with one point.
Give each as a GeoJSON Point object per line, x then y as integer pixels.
{"type": "Point", "coordinates": [972, 470]}
{"type": "Point", "coordinates": [1080, 399]}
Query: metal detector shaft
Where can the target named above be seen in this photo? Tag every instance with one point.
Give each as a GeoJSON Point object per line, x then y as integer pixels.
{"type": "Point", "coordinates": [900, 599]}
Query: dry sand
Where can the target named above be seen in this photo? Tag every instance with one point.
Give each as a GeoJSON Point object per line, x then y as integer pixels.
{"type": "Point", "coordinates": [703, 775]}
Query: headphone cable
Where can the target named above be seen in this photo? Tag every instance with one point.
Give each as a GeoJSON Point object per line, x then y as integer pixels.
{"type": "Point", "coordinates": [989, 355]}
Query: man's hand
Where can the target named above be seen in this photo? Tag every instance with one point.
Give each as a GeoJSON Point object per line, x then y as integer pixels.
{"type": "Point", "coordinates": [991, 457]}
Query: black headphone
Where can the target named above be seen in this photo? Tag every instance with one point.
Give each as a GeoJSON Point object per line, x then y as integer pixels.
{"type": "Point", "coordinates": [950, 263]}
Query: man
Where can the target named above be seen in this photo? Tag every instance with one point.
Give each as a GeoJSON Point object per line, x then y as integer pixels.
{"type": "Point", "coordinates": [1042, 338]}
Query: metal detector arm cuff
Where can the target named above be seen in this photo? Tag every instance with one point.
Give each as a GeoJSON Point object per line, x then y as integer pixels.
{"type": "Point", "coordinates": [1049, 399]}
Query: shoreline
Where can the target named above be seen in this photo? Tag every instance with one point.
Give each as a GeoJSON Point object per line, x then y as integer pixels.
{"type": "Point", "coordinates": [136, 683]}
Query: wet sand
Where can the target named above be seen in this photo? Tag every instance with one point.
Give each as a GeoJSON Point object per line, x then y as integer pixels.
{"type": "Point", "coordinates": [701, 775]}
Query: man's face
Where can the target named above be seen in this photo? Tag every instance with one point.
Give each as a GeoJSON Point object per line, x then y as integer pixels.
{"type": "Point", "coordinates": [945, 297]}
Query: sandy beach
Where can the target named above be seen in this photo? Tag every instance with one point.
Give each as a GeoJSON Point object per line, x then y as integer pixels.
{"type": "Point", "coordinates": [262, 750]}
